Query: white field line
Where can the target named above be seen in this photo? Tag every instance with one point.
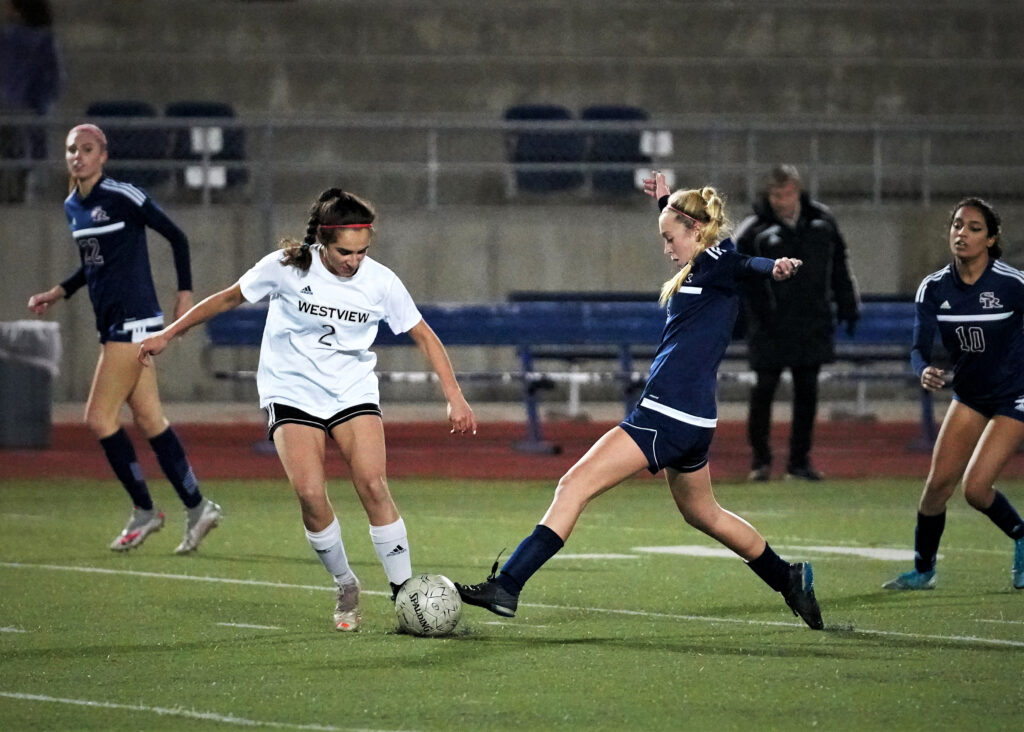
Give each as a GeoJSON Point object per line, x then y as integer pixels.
{"type": "Point", "coordinates": [741, 621]}
{"type": "Point", "coordinates": [544, 606]}
{"type": "Point", "coordinates": [1003, 622]}
{"type": "Point", "coordinates": [250, 625]}
{"type": "Point", "coordinates": [506, 622]}
{"type": "Point", "coordinates": [951, 549]}
{"type": "Point", "coordinates": [179, 712]}
{"type": "Point", "coordinates": [189, 577]}
{"type": "Point", "coordinates": [12, 629]}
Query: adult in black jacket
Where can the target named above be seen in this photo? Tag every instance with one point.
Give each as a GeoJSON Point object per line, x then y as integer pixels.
{"type": "Point", "coordinates": [791, 324]}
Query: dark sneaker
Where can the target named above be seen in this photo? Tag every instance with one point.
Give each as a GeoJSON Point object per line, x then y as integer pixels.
{"type": "Point", "coordinates": [394, 589]}
{"type": "Point", "coordinates": [491, 595]}
{"type": "Point", "coordinates": [760, 474]}
{"type": "Point", "coordinates": [800, 595]}
{"type": "Point", "coordinates": [803, 472]}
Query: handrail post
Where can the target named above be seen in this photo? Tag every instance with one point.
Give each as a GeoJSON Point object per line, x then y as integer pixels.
{"type": "Point", "coordinates": [433, 167]}
{"type": "Point", "coordinates": [876, 192]}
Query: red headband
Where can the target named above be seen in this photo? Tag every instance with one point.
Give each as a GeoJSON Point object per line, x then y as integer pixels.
{"type": "Point", "coordinates": [683, 213]}
{"type": "Point", "coordinates": [346, 226]}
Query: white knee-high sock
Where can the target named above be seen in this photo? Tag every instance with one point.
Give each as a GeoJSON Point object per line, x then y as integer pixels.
{"type": "Point", "coordinates": [392, 547]}
{"type": "Point", "coordinates": [331, 551]}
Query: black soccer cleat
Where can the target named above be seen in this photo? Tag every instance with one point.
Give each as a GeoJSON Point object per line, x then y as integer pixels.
{"type": "Point", "coordinates": [394, 589]}
{"type": "Point", "coordinates": [490, 594]}
{"type": "Point", "coordinates": [800, 595]}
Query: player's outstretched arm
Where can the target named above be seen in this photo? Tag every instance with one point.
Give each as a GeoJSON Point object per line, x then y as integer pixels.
{"type": "Point", "coordinates": [460, 414]}
{"type": "Point", "coordinates": [215, 304]}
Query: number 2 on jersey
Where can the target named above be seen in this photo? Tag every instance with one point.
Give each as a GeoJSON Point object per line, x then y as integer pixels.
{"type": "Point", "coordinates": [330, 332]}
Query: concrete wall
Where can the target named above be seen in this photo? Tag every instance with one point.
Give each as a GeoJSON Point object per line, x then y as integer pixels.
{"type": "Point", "coordinates": [452, 255]}
{"type": "Point", "coordinates": [464, 57]}
{"type": "Point", "coordinates": [470, 57]}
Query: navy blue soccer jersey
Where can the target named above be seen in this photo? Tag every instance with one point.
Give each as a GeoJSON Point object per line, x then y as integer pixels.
{"type": "Point", "coordinates": [109, 227]}
{"type": "Point", "coordinates": [684, 375]}
{"type": "Point", "coordinates": [981, 326]}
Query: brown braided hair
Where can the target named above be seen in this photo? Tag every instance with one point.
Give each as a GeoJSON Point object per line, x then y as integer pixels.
{"type": "Point", "coordinates": [334, 207]}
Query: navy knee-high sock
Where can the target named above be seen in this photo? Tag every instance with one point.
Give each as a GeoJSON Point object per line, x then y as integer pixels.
{"type": "Point", "coordinates": [1005, 516]}
{"type": "Point", "coordinates": [927, 535]}
{"type": "Point", "coordinates": [121, 456]}
{"type": "Point", "coordinates": [528, 557]}
{"type": "Point", "coordinates": [171, 456]}
{"type": "Point", "coordinates": [771, 568]}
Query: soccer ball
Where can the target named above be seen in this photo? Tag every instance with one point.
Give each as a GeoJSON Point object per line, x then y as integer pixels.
{"type": "Point", "coordinates": [428, 604]}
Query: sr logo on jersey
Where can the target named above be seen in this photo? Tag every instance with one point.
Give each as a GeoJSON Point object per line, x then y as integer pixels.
{"type": "Point", "coordinates": [989, 301]}
{"type": "Point", "coordinates": [98, 215]}
{"type": "Point", "coordinates": [1019, 404]}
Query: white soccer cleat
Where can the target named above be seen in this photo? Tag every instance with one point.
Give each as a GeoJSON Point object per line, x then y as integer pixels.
{"type": "Point", "coordinates": [202, 525]}
{"type": "Point", "coordinates": [140, 525]}
{"type": "Point", "coordinates": [346, 615]}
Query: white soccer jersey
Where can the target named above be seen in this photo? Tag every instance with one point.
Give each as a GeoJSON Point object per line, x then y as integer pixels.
{"type": "Point", "coordinates": [315, 353]}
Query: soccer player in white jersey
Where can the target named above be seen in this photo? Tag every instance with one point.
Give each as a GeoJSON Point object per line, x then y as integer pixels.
{"type": "Point", "coordinates": [977, 305]}
{"type": "Point", "coordinates": [108, 221]}
{"type": "Point", "coordinates": [316, 378]}
{"type": "Point", "coordinates": [672, 426]}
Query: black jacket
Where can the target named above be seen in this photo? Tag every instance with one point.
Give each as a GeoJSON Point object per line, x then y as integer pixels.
{"type": "Point", "coordinates": [792, 323]}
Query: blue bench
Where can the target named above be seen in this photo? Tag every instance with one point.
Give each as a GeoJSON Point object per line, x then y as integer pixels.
{"type": "Point", "coordinates": [577, 327]}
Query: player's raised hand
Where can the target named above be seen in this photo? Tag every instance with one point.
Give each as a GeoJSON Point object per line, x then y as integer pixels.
{"type": "Point", "coordinates": [656, 186]}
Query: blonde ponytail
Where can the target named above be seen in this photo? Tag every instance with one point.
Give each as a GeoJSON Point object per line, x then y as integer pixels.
{"type": "Point", "coordinates": [704, 207]}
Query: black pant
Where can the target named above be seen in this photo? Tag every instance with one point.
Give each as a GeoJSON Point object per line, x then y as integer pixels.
{"type": "Point", "coordinates": [805, 406]}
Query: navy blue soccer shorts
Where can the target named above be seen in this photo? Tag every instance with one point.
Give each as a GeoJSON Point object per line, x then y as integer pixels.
{"type": "Point", "coordinates": [1012, 407]}
{"type": "Point", "coordinates": [667, 442]}
{"type": "Point", "coordinates": [279, 414]}
{"type": "Point", "coordinates": [130, 330]}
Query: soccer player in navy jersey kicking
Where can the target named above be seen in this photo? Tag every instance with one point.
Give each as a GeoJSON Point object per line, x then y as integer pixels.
{"type": "Point", "coordinates": [976, 303]}
{"type": "Point", "coordinates": [672, 425]}
{"type": "Point", "coordinates": [316, 377]}
{"type": "Point", "coordinates": [108, 222]}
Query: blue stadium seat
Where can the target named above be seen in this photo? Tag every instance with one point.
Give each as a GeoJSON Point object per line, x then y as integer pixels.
{"type": "Point", "coordinates": [538, 146]}
{"type": "Point", "coordinates": [222, 144]}
{"type": "Point", "coordinates": [132, 143]}
{"type": "Point", "coordinates": [615, 147]}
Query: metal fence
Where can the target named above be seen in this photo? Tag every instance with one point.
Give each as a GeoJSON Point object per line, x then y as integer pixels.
{"type": "Point", "coordinates": [433, 162]}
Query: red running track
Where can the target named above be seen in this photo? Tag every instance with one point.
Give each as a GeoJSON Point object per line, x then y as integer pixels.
{"type": "Point", "coordinates": [842, 450]}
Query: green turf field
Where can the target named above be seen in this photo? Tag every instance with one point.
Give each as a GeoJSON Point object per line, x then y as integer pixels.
{"type": "Point", "coordinates": [239, 635]}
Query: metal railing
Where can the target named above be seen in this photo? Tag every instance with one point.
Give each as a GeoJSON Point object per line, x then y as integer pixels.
{"type": "Point", "coordinates": [432, 162]}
